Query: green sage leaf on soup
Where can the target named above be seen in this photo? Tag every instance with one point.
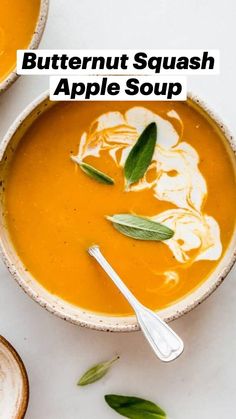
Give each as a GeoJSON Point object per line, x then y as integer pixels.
{"type": "Point", "coordinates": [94, 173]}
{"type": "Point", "coordinates": [96, 372]}
{"type": "Point", "coordinates": [134, 407]}
{"type": "Point", "coordinates": [141, 154]}
{"type": "Point", "coordinates": [140, 228]}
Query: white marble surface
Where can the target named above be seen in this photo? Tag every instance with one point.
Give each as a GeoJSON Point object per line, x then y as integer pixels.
{"type": "Point", "coordinates": [201, 384]}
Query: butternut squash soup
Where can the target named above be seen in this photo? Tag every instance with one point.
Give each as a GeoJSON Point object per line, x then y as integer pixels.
{"type": "Point", "coordinates": [57, 205]}
{"type": "Point", "coordinates": [17, 24]}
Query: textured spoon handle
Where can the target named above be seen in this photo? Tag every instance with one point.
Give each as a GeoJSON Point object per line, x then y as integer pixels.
{"type": "Point", "coordinates": [163, 340]}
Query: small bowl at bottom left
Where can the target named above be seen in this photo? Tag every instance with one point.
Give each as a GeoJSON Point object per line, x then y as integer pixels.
{"type": "Point", "coordinates": [14, 385]}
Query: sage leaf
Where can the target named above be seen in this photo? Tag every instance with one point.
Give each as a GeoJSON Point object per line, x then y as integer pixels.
{"type": "Point", "coordinates": [134, 407]}
{"type": "Point", "coordinates": [94, 173]}
{"type": "Point", "coordinates": [141, 154]}
{"type": "Point", "coordinates": [140, 228]}
{"type": "Point", "coordinates": [96, 372]}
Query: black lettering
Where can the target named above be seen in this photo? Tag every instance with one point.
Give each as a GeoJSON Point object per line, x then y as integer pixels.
{"type": "Point", "coordinates": [64, 59]}
{"type": "Point", "coordinates": [207, 59]}
{"type": "Point", "coordinates": [55, 60]}
{"type": "Point", "coordinates": [160, 89]}
{"type": "Point", "coordinates": [194, 63]}
{"type": "Point", "coordinates": [155, 64]}
{"type": "Point", "coordinates": [182, 63]}
{"type": "Point", "coordinates": [62, 87]}
{"type": "Point", "coordinates": [86, 60]}
{"type": "Point", "coordinates": [92, 90]}
{"type": "Point", "coordinates": [77, 89]}
{"type": "Point", "coordinates": [104, 86]}
{"type": "Point", "coordinates": [169, 63]}
{"type": "Point", "coordinates": [112, 63]}
{"type": "Point", "coordinates": [146, 89]}
{"type": "Point", "coordinates": [74, 63]}
{"type": "Point", "coordinates": [100, 61]}
{"type": "Point", "coordinates": [113, 89]}
{"type": "Point", "coordinates": [174, 89]}
{"type": "Point", "coordinates": [139, 61]}
{"type": "Point", "coordinates": [131, 84]}
{"type": "Point", "coordinates": [43, 63]}
{"type": "Point", "coordinates": [29, 61]}
{"type": "Point", "coordinates": [123, 61]}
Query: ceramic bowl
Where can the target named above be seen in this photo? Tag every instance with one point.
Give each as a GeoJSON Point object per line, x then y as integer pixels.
{"type": "Point", "coordinates": [62, 308]}
{"type": "Point", "coordinates": [35, 40]}
{"type": "Point", "coordinates": [14, 386]}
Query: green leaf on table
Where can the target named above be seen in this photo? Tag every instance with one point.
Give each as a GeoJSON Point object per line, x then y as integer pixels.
{"type": "Point", "coordinates": [96, 372]}
{"type": "Point", "coordinates": [134, 407]}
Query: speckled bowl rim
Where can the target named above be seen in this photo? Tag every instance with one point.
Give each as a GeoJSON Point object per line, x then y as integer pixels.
{"type": "Point", "coordinates": [25, 382]}
{"type": "Point", "coordinates": [34, 43]}
{"type": "Point", "coordinates": [100, 321]}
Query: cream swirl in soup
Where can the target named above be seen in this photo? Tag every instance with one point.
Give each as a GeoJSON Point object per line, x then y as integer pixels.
{"type": "Point", "coordinates": [173, 176]}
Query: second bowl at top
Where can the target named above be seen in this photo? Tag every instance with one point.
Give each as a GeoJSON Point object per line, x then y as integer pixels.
{"type": "Point", "coordinates": [21, 27]}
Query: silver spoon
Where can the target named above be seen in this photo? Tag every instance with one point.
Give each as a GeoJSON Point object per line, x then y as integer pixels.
{"type": "Point", "coordinates": [166, 344]}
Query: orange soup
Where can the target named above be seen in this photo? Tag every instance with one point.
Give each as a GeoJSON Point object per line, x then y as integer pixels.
{"type": "Point", "coordinates": [17, 24]}
{"type": "Point", "coordinates": [55, 211]}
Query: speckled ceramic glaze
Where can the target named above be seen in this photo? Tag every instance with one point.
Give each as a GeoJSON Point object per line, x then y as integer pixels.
{"type": "Point", "coordinates": [14, 387]}
{"type": "Point", "coordinates": [64, 309]}
{"type": "Point", "coordinates": [35, 40]}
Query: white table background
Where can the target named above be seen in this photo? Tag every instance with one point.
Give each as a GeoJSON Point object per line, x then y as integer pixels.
{"type": "Point", "coordinates": [200, 384]}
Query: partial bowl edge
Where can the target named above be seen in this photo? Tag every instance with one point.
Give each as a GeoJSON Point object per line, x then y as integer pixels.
{"type": "Point", "coordinates": [20, 414]}
{"type": "Point", "coordinates": [35, 41]}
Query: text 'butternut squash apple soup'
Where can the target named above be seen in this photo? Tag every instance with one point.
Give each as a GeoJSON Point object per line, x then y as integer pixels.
{"type": "Point", "coordinates": [152, 183]}
{"type": "Point", "coordinates": [17, 24]}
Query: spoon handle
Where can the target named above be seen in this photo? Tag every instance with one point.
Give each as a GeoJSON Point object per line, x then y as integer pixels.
{"type": "Point", "coordinates": [163, 340]}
